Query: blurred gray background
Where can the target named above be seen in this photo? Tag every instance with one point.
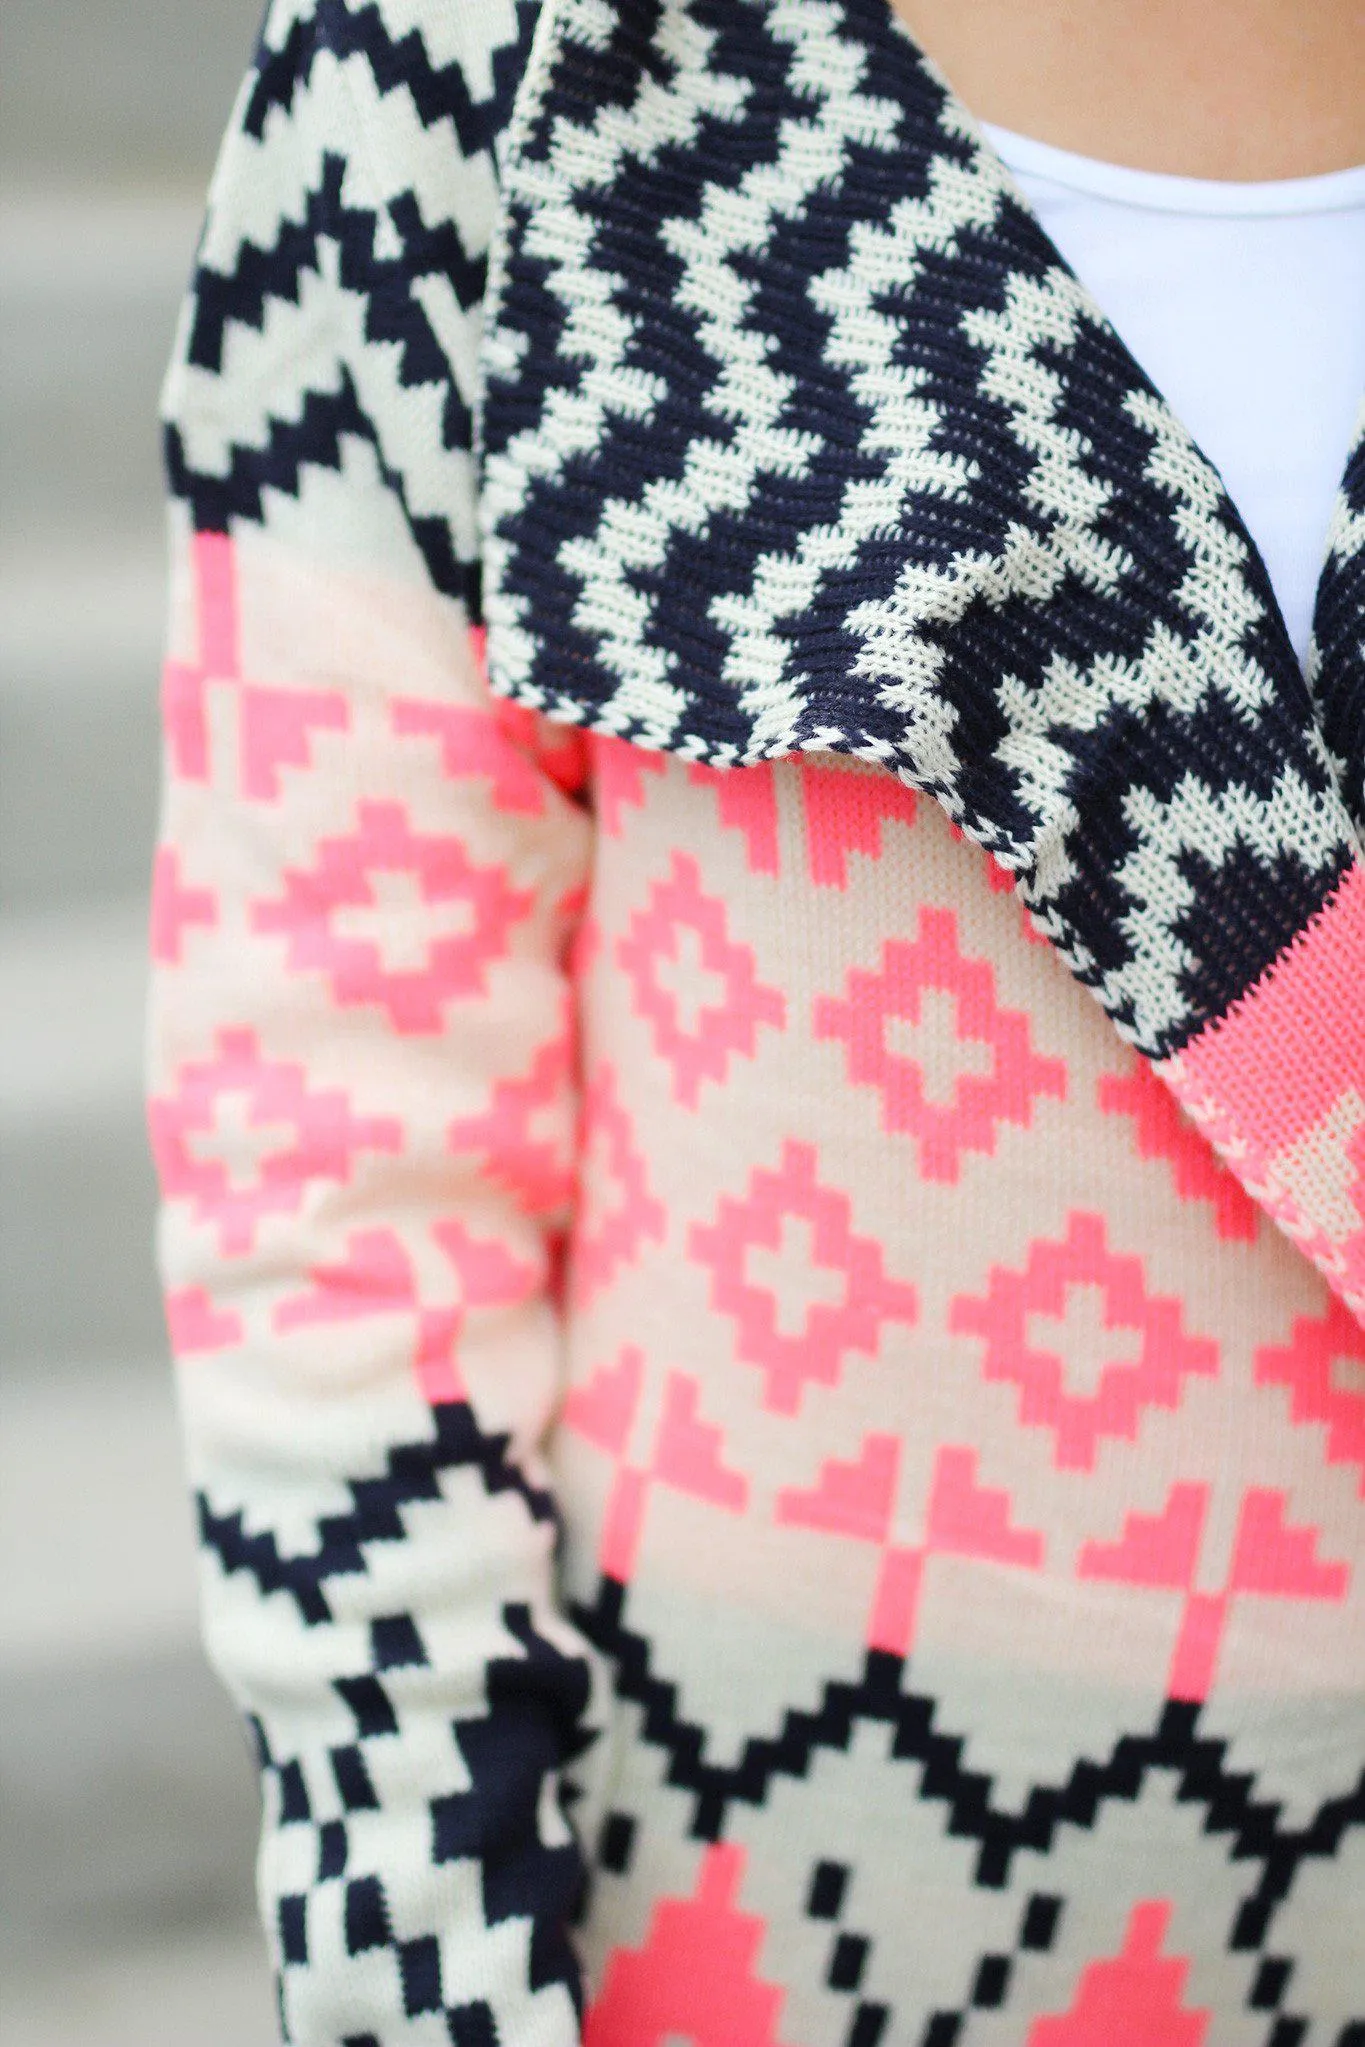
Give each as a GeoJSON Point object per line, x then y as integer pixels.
{"type": "Point", "coordinates": [127, 1811]}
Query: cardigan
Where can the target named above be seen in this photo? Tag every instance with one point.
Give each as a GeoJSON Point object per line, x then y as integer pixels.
{"type": "Point", "coordinates": [760, 1116]}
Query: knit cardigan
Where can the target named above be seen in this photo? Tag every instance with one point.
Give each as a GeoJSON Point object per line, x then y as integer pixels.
{"type": "Point", "coordinates": [648, 497]}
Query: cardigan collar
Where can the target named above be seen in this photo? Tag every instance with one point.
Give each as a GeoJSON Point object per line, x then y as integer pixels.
{"type": "Point", "coordinates": [798, 433]}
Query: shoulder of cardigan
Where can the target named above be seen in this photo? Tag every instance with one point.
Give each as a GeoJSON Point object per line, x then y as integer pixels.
{"type": "Point", "coordinates": [798, 434]}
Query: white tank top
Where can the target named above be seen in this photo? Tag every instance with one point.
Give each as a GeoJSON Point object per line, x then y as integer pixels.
{"type": "Point", "coordinates": [1245, 304]}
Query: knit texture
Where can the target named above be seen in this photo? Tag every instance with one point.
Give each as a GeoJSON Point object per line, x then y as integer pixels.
{"type": "Point", "coordinates": [759, 1483]}
{"type": "Point", "coordinates": [798, 433]}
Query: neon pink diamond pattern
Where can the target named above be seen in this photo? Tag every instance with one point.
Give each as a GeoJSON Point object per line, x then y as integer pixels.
{"type": "Point", "coordinates": [688, 1453]}
{"type": "Point", "coordinates": [962, 1518]}
{"type": "Point", "coordinates": [719, 1030]}
{"type": "Point", "coordinates": [195, 1326]}
{"type": "Point", "coordinates": [454, 1194]}
{"type": "Point", "coordinates": [980, 1102]}
{"type": "Point", "coordinates": [287, 1135]}
{"type": "Point", "coordinates": [378, 1276]}
{"type": "Point", "coordinates": [696, 1977]}
{"type": "Point", "coordinates": [845, 814]}
{"type": "Point", "coordinates": [1168, 1354]}
{"type": "Point", "coordinates": [478, 908]}
{"type": "Point", "coordinates": [814, 1354]}
{"type": "Point", "coordinates": [746, 802]}
{"type": "Point", "coordinates": [176, 907]}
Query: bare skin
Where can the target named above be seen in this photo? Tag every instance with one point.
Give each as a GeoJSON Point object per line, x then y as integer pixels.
{"type": "Point", "coordinates": [1238, 89]}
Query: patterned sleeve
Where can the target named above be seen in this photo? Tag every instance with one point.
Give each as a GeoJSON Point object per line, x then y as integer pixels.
{"type": "Point", "coordinates": [362, 1099]}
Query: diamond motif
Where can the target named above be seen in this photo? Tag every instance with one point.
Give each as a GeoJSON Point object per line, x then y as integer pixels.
{"type": "Point", "coordinates": [1272, 1558]}
{"type": "Point", "coordinates": [175, 907]}
{"type": "Point", "coordinates": [746, 801]}
{"type": "Point", "coordinates": [458, 918]}
{"type": "Point", "coordinates": [701, 1047]}
{"type": "Point", "coordinates": [521, 1135]}
{"type": "Point", "coordinates": [1161, 1131]}
{"type": "Point", "coordinates": [274, 725]}
{"type": "Point", "coordinates": [244, 1135]}
{"type": "Point", "coordinates": [688, 1454]}
{"type": "Point", "coordinates": [814, 1352]}
{"type": "Point", "coordinates": [695, 1976]}
{"type": "Point", "coordinates": [844, 813]}
{"type": "Point", "coordinates": [1167, 1355]}
{"type": "Point", "coordinates": [968, 1120]}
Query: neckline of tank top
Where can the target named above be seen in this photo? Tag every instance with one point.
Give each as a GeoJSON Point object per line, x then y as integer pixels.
{"type": "Point", "coordinates": [1160, 191]}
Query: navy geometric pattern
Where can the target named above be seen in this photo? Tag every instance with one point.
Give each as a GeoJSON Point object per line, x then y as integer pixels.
{"type": "Point", "coordinates": [1271, 1853]}
{"type": "Point", "coordinates": [1265, 1854]}
{"type": "Point", "coordinates": [795, 429]}
{"type": "Point", "coordinates": [397, 252]}
{"type": "Point", "coordinates": [799, 434]}
{"type": "Point", "coordinates": [331, 1790]}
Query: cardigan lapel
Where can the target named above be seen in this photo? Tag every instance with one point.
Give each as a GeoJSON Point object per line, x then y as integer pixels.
{"type": "Point", "coordinates": [799, 434]}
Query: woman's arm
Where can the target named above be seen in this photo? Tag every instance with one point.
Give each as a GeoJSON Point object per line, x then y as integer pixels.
{"type": "Point", "coordinates": [363, 1101]}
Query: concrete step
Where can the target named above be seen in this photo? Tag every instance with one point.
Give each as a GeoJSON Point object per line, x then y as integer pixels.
{"type": "Point", "coordinates": [208, 1989]}
{"type": "Point", "coordinates": [96, 1528]}
{"type": "Point", "coordinates": [89, 291]}
{"type": "Point", "coordinates": [81, 635]}
{"type": "Point", "coordinates": [127, 1809]}
{"type": "Point", "coordinates": [113, 91]}
{"type": "Point", "coordinates": [90, 286]}
{"type": "Point", "coordinates": [77, 1196]}
{"type": "Point", "coordinates": [126, 1794]}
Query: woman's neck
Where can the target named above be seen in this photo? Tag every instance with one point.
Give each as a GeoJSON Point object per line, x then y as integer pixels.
{"type": "Point", "coordinates": [1243, 89]}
